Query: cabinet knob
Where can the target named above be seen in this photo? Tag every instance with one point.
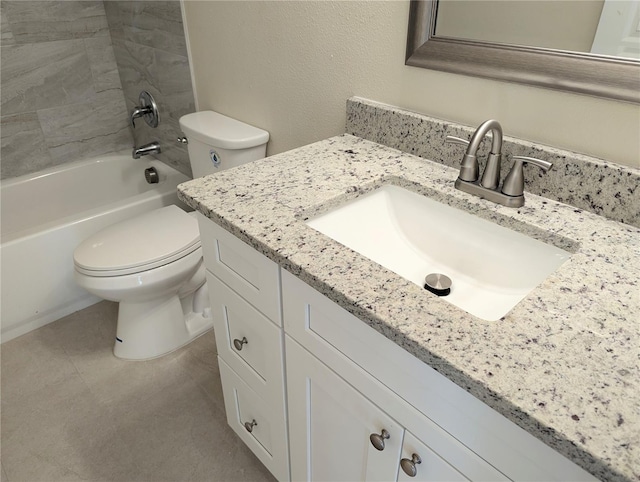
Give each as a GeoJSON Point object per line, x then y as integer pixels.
{"type": "Point", "coordinates": [238, 343]}
{"type": "Point", "coordinates": [249, 425]}
{"type": "Point", "coordinates": [409, 466]}
{"type": "Point", "coordinates": [377, 440]}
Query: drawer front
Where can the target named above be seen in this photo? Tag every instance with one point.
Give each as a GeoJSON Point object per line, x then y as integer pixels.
{"type": "Point", "coordinates": [420, 463]}
{"type": "Point", "coordinates": [247, 340]}
{"type": "Point", "coordinates": [259, 424]}
{"type": "Point", "coordinates": [252, 275]}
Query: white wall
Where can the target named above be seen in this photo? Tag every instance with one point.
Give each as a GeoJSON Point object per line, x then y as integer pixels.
{"type": "Point", "coordinates": [289, 66]}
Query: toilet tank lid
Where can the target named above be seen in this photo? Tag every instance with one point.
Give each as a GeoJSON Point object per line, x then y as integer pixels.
{"type": "Point", "coordinates": [221, 131]}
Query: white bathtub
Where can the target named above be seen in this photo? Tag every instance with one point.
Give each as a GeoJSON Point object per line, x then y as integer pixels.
{"type": "Point", "coordinates": [47, 214]}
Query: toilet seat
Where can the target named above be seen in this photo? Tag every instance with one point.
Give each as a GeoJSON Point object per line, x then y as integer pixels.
{"type": "Point", "coordinates": [151, 240]}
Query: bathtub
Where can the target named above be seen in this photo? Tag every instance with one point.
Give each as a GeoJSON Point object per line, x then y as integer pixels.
{"type": "Point", "coordinates": [47, 214]}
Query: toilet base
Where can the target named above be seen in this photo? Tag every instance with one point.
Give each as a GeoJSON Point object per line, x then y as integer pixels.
{"type": "Point", "coordinates": [150, 329]}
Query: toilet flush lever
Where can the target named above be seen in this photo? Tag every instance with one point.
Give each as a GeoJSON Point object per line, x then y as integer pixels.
{"type": "Point", "coordinates": [147, 109]}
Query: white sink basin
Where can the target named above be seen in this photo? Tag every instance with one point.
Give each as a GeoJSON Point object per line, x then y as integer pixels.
{"type": "Point", "coordinates": [492, 268]}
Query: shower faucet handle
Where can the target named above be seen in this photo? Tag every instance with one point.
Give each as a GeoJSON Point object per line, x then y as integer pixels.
{"type": "Point", "coordinates": [148, 110]}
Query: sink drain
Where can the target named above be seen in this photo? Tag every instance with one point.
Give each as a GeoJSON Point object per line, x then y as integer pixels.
{"type": "Point", "coordinates": [438, 283]}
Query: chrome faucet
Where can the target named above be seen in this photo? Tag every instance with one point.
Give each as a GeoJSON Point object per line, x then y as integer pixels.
{"type": "Point", "coordinates": [512, 192]}
{"type": "Point", "coordinates": [151, 148]}
{"type": "Point", "coordinates": [147, 109]}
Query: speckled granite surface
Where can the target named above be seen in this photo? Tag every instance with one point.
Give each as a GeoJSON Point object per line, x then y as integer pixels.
{"type": "Point", "coordinates": [563, 364]}
{"type": "Point", "coordinates": [601, 187]}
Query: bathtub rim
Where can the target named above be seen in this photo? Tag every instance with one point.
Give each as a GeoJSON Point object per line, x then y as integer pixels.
{"type": "Point", "coordinates": [171, 172]}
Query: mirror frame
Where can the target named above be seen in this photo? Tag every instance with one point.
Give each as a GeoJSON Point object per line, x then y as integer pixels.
{"type": "Point", "coordinates": [596, 75]}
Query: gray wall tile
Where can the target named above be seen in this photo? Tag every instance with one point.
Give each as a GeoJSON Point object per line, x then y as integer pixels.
{"type": "Point", "coordinates": [61, 96]}
{"type": "Point", "coordinates": [156, 24]}
{"type": "Point", "coordinates": [86, 129]}
{"type": "Point", "coordinates": [22, 140]}
{"type": "Point", "coordinates": [150, 49]}
{"type": "Point", "coordinates": [65, 68]}
{"type": "Point", "coordinates": [6, 35]}
{"type": "Point", "coordinates": [102, 61]}
{"type": "Point", "coordinates": [42, 21]}
{"type": "Point", "coordinates": [166, 73]}
{"type": "Point", "coordinates": [114, 20]}
{"type": "Point", "coordinates": [43, 75]}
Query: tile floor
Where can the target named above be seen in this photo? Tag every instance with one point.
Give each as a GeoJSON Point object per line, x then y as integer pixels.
{"type": "Point", "coordinates": [71, 411]}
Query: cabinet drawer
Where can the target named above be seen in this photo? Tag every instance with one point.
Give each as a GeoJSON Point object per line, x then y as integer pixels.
{"type": "Point", "coordinates": [267, 435]}
{"type": "Point", "coordinates": [258, 357]}
{"type": "Point", "coordinates": [252, 275]}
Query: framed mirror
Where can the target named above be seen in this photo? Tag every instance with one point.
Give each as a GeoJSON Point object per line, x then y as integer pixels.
{"type": "Point", "coordinates": [579, 72]}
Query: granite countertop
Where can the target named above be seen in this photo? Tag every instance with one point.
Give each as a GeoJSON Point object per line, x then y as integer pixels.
{"type": "Point", "coordinates": [563, 364]}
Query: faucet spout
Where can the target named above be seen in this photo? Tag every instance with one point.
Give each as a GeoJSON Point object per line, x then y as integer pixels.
{"type": "Point", "coordinates": [491, 175]}
{"type": "Point", "coordinates": [482, 130]}
{"type": "Point", "coordinates": [151, 148]}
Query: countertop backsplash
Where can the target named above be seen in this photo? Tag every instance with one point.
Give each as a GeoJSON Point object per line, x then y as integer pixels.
{"type": "Point", "coordinates": [594, 185]}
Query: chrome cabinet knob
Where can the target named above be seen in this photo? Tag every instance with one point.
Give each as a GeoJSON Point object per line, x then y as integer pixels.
{"type": "Point", "coordinates": [409, 466]}
{"type": "Point", "coordinates": [249, 425]}
{"type": "Point", "coordinates": [239, 343]}
{"type": "Point", "coordinates": [377, 440]}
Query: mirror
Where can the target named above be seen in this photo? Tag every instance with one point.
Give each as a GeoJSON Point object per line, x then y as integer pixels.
{"type": "Point", "coordinates": [450, 39]}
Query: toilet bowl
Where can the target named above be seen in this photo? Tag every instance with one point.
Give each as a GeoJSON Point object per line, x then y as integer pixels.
{"type": "Point", "coordinates": [152, 264]}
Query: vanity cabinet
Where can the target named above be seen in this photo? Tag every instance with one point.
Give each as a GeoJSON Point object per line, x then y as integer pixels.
{"type": "Point", "coordinates": [244, 290]}
{"type": "Point", "coordinates": [347, 388]}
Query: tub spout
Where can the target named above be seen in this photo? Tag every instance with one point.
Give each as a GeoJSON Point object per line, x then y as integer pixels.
{"type": "Point", "coordinates": [151, 148]}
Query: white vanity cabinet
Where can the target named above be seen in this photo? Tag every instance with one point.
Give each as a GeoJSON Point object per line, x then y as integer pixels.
{"type": "Point", "coordinates": [347, 387]}
{"type": "Point", "coordinates": [244, 290]}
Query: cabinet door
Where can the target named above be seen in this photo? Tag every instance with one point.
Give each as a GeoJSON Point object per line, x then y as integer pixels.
{"type": "Point", "coordinates": [421, 464]}
{"type": "Point", "coordinates": [330, 424]}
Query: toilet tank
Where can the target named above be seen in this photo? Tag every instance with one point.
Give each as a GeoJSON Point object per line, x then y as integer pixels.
{"type": "Point", "coordinates": [217, 142]}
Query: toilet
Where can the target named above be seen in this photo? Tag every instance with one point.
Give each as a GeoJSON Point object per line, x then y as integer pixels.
{"type": "Point", "coordinates": [152, 264]}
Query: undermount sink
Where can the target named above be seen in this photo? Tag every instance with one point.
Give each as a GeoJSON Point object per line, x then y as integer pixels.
{"type": "Point", "coordinates": [492, 268]}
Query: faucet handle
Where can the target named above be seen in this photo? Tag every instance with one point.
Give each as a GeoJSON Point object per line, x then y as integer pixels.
{"type": "Point", "coordinates": [456, 140]}
{"type": "Point", "coordinates": [469, 166]}
{"type": "Point", "coordinates": [514, 182]}
{"type": "Point", "coordinates": [541, 163]}
{"type": "Point", "coordinates": [148, 110]}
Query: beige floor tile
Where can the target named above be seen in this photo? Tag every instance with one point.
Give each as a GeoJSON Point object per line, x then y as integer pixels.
{"type": "Point", "coordinates": [200, 361]}
{"type": "Point", "coordinates": [72, 411]}
{"type": "Point", "coordinates": [34, 361]}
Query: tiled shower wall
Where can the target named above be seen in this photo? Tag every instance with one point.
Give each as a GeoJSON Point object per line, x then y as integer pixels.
{"type": "Point", "coordinates": [72, 70]}
{"type": "Point", "coordinates": [61, 93]}
{"type": "Point", "coordinates": [151, 53]}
